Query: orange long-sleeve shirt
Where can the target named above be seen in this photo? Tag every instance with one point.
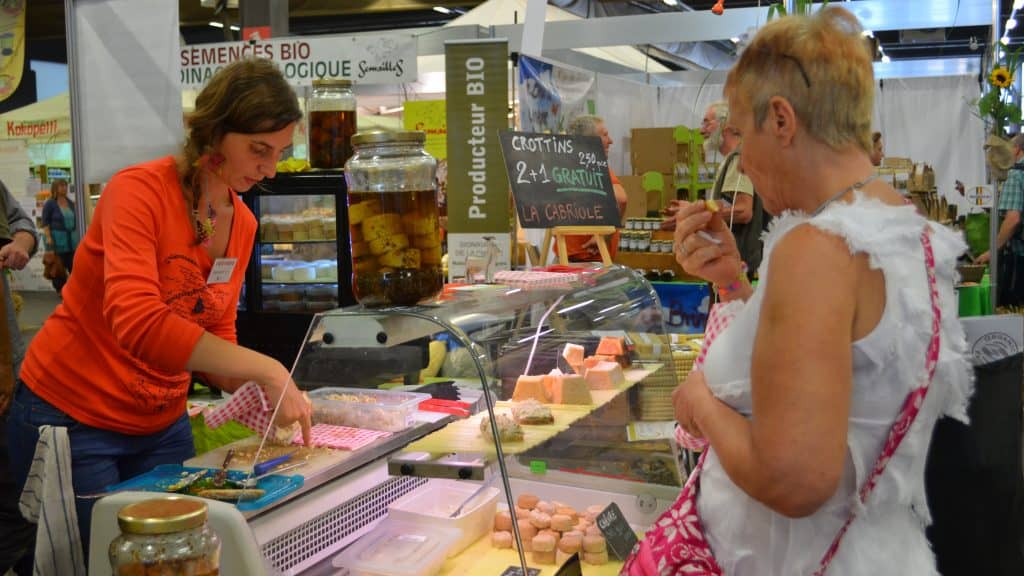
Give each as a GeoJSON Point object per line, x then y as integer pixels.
{"type": "Point", "coordinates": [113, 354]}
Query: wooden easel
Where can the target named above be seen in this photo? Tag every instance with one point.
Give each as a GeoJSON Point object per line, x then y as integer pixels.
{"type": "Point", "coordinates": [560, 232]}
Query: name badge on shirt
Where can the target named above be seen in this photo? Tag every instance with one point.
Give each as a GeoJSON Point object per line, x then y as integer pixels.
{"type": "Point", "coordinates": [222, 270]}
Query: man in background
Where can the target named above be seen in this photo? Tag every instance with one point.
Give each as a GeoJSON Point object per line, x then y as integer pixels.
{"type": "Point", "coordinates": [742, 209]}
{"type": "Point", "coordinates": [584, 248]}
{"type": "Point", "coordinates": [877, 150]}
{"type": "Point", "coordinates": [17, 244]}
{"type": "Point", "coordinates": [1010, 240]}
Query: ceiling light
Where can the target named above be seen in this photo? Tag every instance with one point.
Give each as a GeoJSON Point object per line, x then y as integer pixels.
{"type": "Point", "coordinates": [217, 24]}
{"type": "Point", "coordinates": [868, 34]}
{"type": "Point", "coordinates": [1011, 23]}
{"type": "Point", "coordinates": [442, 10]}
{"type": "Point", "coordinates": [735, 39]}
{"type": "Point", "coordinates": [886, 59]}
{"type": "Point", "coordinates": [235, 28]}
{"type": "Point", "coordinates": [671, 2]}
{"type": "Point", "coordinates": [1004, 41]}
{"type": "Point", "coordinates": [1018, 4]}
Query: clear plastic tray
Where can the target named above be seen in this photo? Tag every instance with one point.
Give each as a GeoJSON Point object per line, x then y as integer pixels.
{"type": "Point", "coordinates": [364, 408]}
{"type": "Point", "coordinates": [433, 505]}
{"type": "Point", "coordinates": [399, 549]}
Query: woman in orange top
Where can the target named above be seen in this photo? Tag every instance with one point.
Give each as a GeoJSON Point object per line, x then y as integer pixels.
{"type": "Point", "coordinates": [143, 310]}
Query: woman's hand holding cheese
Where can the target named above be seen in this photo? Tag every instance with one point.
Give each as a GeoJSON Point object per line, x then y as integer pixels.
{"type": "Point", "coordinates": [720, 262]}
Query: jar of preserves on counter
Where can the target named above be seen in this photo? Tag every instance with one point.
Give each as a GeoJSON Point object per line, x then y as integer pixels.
{"type": "Point", "coordinates": [332, 123]}
{"type": "Point", "coordinates": [393, 219]}
{"type": "Point", "coordinates": [166, 535]}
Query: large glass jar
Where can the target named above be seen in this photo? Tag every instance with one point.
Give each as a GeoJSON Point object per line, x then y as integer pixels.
{"type": "Point", "coordinates": [166, 535]}
{"type": "Point", "coordinates": [393, 219]}
{"type": "Point", "coordinates": [332, 122]}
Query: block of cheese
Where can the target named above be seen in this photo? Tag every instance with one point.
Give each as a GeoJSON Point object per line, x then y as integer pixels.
{"type": "Point", "coordinates": [361, 211]}
{"type": "Point", "coordinates": [417, 224]}
{"type": "Point", "coordinates": [431, 255]}
{"type": "Point", "coordinates": [573, 354]}
{"type": "Point", "coordinates": [382, 226]}
{"type": "Point", "coordinates": [591, 361]}
{"type": "Point", "coordinates": [611, 346]}
{"type": "Point", "coordinates": [402, 258]}
{"type": "Point", "coordinates": [427, 240]}
{"type": "Point", "coordinates": [571, 389]}
{"type": "Point", "coordinates": [387, 244]}
{"type": "Point", "coordinates": [530, 387]}
{"type": "Point", "coordinates": [605, 376]}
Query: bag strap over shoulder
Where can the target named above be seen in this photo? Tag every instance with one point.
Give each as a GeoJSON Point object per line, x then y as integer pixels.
{"type": "Point", "coordinates": [911, 406]}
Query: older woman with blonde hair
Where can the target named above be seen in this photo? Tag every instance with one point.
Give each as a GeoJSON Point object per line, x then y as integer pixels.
{"type": "Point", "coordinates": [818, 399]}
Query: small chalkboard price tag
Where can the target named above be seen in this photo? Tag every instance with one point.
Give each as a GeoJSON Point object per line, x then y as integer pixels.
{"type": "Point", "coordinates": [559, 180]}
{"type": "Point", "coordinates": [518, 571]}
{"type": "Point", "coordinates": [572, 567]}
{"type": "Point", "coordinates": [616, 530]}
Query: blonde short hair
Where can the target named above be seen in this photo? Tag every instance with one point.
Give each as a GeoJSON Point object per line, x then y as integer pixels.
{"type": "Point", "coordinates": [720, 109]}
{"type": "Point", "coordinates": [821, 65]}
{"type": "Point", "coordinates": [585, 125]}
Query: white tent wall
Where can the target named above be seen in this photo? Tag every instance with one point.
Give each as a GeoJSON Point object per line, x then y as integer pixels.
{"type": "Point", "coordinates": [931, 120]}
{"type": "Point", "coordinates": [925, 119]}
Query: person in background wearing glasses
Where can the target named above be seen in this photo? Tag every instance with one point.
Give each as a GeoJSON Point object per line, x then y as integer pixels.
{"type": "Point", "coordinates": [147, 305]}
{"type": "Point", "coordinates": [745, 212]}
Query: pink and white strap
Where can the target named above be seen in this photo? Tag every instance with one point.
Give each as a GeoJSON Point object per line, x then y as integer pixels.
{"type": "Point", "coordinates": [911, 406]}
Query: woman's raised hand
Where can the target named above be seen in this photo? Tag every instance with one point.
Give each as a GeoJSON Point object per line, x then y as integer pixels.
{"type": "Point", "coordinates": [704, 246]}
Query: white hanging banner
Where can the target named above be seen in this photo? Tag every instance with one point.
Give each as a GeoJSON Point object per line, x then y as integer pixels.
{"type": "Point", "coordinates": [127, 98]}
{"type": "Point", "coordinates": [377, 59]}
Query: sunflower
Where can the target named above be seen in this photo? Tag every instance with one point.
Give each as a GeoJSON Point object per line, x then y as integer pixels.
{"type": "Point", "coordinates": [1000, 77]}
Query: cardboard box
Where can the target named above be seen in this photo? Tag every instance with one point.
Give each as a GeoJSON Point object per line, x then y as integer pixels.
{"type": "Point", "coordinates": [636, 206]}
{"type": "Point", "coordinates": [654, 150]}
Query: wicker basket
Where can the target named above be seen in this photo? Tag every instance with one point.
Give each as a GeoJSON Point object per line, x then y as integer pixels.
{"type": "Point", "coordinates": [656, 390]}
{"type": "Point", "coordinates": [971, 272]}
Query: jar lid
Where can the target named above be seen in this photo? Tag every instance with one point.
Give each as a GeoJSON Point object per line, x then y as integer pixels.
{"type": "Point", "coordinates": [162, 515]}
{"type": "Point", "coordinates": [335, 82]}
{"type": "Point", "coordinates": [388, 136]}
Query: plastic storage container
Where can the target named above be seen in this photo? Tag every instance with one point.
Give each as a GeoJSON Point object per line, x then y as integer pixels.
{"type": "Point", "coordinates": [393, 219]}
{"type": "Point", "coordinates": [165, 536]}
{"type": "Point", "coordinates": [332, 122]}
{"type": "Point", "coordinates": [398, 549]}
{"type": "Point", "coordinates": [361, 408]}
{"type": "Point", "coordinates": [434, 504]}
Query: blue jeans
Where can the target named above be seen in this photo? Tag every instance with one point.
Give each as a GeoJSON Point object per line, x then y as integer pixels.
{"type": "Point", "coordinates": [99, 457]}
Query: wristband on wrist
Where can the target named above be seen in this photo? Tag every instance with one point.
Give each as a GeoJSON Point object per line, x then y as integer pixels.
{"type": "Point", "coordinates": [740, 281]}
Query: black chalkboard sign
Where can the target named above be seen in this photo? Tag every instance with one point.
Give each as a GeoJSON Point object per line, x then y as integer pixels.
{"type": "Point", "coordinates": [572, 567]}
{"type": "Point", "coordinates": [559, 180]}
{"type": "Point", "coordinates": [616, 530]}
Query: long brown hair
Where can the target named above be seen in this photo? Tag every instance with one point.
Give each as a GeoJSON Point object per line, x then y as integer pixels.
{"type": "Point", "coordinates": [57, 183]}
{"type": "Point", "coordinates": [248, 96]}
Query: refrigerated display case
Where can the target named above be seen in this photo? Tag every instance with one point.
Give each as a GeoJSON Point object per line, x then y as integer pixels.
{"type": "Point", "coordinates": [429, 454]}
{"type": "Point", "coordinates": [301, 263]}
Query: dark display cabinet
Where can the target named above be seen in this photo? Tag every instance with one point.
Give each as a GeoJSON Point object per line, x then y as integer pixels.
{"type": "Point", "coordinates": [301, 263]}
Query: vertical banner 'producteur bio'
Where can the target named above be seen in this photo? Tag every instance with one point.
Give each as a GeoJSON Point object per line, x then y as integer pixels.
{"type": "Point", "coordinates": [478, 195]}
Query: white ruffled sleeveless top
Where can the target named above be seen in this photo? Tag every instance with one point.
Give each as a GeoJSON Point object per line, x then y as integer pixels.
{"type": "Point", "coordinates": [888, 536]}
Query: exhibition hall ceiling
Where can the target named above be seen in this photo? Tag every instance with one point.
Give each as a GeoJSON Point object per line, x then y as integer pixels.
{"type": "Point", "coordinates": [941, 28]}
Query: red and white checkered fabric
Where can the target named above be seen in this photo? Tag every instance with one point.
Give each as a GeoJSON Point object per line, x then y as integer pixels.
{"type": "Point", "coordinates": [340, 437]}
{"type": "Point", "coordinates": [248, 406]}
{"type": "Point", "coordinates": [534, 279]}
{"type": "Point", "coordinates": [718, 319]}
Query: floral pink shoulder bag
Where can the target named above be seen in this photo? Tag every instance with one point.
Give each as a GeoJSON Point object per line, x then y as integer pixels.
{"type": "Point", "coordinates": [676, 543]}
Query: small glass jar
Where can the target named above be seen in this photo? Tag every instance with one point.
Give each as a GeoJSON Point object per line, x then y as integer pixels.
{"type": "Point", "coordinates": [393, 219]}
{"type": "Point", "coordinates": [623, 241]}
{"type": "Point", "coordinates": [645, 242]}
{"type": "Point", "coordinates": [166, 535]}
{"type": "Point", "coordinates": [332, 122]}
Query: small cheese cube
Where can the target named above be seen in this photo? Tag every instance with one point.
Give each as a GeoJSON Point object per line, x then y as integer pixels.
{"type": "Point", "coordinates": [381, 226]}
{"type": "Point", "coordinates": [388, 244]}
{"type": "Point", "coordinates": [605, 376]}
{"type": "Point", "coordinates": [361, 211]}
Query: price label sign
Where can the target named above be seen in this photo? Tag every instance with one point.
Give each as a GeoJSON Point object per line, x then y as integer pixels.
{"type": "Point", "coordinates": [980, 196]}
{"type": "Point", "coordinates": [620, 536]}
{"type": "Point", "coordinates": [559, 180]}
